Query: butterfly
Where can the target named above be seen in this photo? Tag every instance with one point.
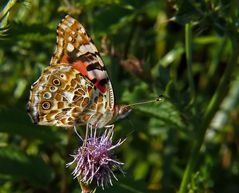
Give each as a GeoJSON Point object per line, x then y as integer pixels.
{"type": "Point", "coordinates": [75, 88]}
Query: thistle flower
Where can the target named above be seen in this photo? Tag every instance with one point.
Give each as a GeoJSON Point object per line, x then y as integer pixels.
{"type": "Point", "coordinates": [95, 160]}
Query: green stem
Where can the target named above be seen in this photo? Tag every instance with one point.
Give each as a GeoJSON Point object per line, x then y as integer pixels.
{"type": "Point", "coordinates": [5, 10]}
{"type": "Point", "coordinates": [86, 188]}
{"type": "Point", "coordinates": [188, 50]}
{"type": "Point", "coordinates": [212, 108]}
{"type": "Point", "coordinates": [213, 69]}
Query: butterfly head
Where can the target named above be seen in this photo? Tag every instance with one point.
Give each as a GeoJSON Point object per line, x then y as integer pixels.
{"type": "Point", "coordinates": [121, 111]}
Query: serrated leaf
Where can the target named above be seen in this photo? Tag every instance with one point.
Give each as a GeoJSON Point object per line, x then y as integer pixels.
{"type": "Point", "coordinates": [165, 112]}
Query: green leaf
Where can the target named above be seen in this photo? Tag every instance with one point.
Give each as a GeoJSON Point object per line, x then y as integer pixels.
{"type": "Point", "coordinates": [18, 122]}
{"type": "Point", "coordinates": [18, 166]}
{"type": "Point", "coordinates": [126, 184]}
{"type": "Point", "coordinates": [163, 111]}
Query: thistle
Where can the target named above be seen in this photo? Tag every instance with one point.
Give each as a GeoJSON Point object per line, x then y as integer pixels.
{"type": "Point", "coordinates": [94, 161]}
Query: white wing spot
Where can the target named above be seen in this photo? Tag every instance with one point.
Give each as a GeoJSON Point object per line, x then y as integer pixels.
{"type": "Point", "coordinates": [82, 29]}
{"type": "Point", "coordinates": [68, 96]}
{"type": "Point", "coordinates": [70, 38]}
{"type": "Point", "coordinates": [100, 61]}
{"type": "Point", "coordinates": [59, 32]}
{"type": "Point", "coordinates": [78, 54]}
{"type": "Point", "coordinates": [60, 41]}
{"type": "Point", "coordinates": [93, 47]}
{"type": "Point", "coordinates": [71, 20]}
{"type": "Point", "coordinates": [63, 26]}
{"type": "Point", "coordinates": [82, 81]}
{"type": "Point", "coordinates": [79, 38]}
{"type": "Point", "coordinates": [70, 47]}
{"type": "Point", "coordinates": [85, 48]}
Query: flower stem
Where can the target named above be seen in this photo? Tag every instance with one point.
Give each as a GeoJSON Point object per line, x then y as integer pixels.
{"type": "Point", "coordinates": [210, 111]}
{"type": "Point", "coordinates": [188, 50]}
{"type": "Point", "coordinates": [86, 188]}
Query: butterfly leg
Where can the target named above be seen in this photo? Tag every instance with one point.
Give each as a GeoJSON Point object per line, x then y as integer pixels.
{"type": "Point", "coordinates": [110, 126]}
{"type": "Point", "coordinates": [86, 134]}
{"type": "Point", "coordinates": [75, 129]}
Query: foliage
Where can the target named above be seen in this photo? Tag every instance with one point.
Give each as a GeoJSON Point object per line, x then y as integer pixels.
{"type": "Point", "coordinates": [185, 50]}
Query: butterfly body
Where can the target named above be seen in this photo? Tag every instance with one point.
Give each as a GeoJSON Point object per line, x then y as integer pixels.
{"type": "Point", "coordinates": [75, 88]}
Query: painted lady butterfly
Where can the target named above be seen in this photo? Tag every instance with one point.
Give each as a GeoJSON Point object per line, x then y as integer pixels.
{"type": "Point", "coordinates": [75, 88]}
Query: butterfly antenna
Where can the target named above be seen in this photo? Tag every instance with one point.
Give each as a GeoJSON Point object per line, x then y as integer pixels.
{"type": "Point", "coordinates": [158, 99]}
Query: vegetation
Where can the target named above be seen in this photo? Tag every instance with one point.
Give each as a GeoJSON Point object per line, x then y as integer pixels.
{"type": "Point", "coordinates": [185, 50]}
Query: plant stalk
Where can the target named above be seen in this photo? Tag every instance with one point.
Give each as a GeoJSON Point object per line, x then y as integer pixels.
{"type": "Point", "coordinates": [210, 111]}
{"type": "Point", "coordinates": [6, 9]}
{"type": "Point", "coordinates": [188, 50]}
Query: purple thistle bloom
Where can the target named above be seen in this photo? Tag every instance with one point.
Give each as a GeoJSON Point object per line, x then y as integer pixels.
{"type": "Point", "coordinates": [94, 160]}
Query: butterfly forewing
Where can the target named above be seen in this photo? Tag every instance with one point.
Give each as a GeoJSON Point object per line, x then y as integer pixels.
{"type": "Point", "coordinates": [77, 49]}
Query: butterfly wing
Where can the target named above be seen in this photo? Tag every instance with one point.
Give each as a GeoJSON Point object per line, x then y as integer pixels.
{"type": "Point", "coordinates": [75, 87]}
{"type": "Point", "coordinates": [76, 48]}
{"type": "Point", "coordinates": [59, 96]}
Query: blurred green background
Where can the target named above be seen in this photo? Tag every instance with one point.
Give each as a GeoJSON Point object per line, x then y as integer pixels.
{"type": "Point", "coordinates": [185, 50]}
